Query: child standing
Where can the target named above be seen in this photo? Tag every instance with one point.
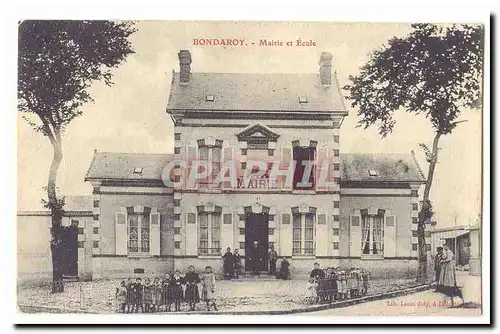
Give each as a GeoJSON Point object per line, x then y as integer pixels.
{"type": "Point", "coordinates": [121, 296]}
{"type": "Point", "coordinates": [312, 291]}
{"type": "Point", "coordinates": [166, 293]}
{"type": "Point", "coordinates": [130, 286]}
{"type": "Point", "coordinates": [176, 288]}
{"type": "Point", "coordinates": [208, 282]}
{"type": "Point", "coordinates": [355, 284]}
{"type": "Point", "coordinates": [156, 295]}
{"type": "Point", "coordinates": [191, 280]}
{"type": "Point", "coordinates": [148, 295]}
{"type": "Point", "coordinates": [366, 281]}
{"type": "Point", "coordinates": [343, 280]}
{"type": "Point", "coordinates": [340, 290]}
{"type": "Point", "coordinates": [138, 291]}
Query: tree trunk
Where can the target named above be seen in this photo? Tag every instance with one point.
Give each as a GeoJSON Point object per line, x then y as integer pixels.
{"type": "Point", "coordinates": [424, 213]}
{"type": "Point", "coordinates": [56, 214]}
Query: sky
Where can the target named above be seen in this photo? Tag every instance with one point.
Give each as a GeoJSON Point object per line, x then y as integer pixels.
{"type": "Point", "coordinates": [130, 115]}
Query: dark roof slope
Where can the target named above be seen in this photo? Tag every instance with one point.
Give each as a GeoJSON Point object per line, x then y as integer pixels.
{"type": "Point", "coordinates": [121, 166]}
{"type": "Point", "coordinates": [388, 167]}
{"type": "Point", "coordinates": [355, 167]}
{"type": "Point", "coordinates": [255, 92]}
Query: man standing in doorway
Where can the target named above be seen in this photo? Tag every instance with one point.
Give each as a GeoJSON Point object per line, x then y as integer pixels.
{"type": "Point", "coordinates": [273, 257]}
{"type": "Point", "coordinates": [255, 258]}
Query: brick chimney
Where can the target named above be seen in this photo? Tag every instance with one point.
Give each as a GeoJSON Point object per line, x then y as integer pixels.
{"type": "Point", "coordinates": [185, 66]}
{"type": "Point", "coordinates": [325, 68]}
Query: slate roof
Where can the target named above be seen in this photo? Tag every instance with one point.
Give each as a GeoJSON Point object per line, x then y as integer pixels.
{"type": "Point", "coordinates": [255, 92]}
{"type": "Point", "coordinates": [354, 167]}
{"type": "Point", "coordinates": [388, 167]}
{"type": "Point", "coordinates": [121, 166]}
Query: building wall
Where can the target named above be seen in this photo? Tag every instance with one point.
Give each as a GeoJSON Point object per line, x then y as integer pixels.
{"type": "Point", "coordinates": [33, 248]}
{"type": "Point", "coordinates": [400, 205]}
{"type": "Point", "coordinates": [110, 203]}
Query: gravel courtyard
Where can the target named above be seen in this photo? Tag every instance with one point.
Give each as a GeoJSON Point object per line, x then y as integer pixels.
{"type": "Point", "coordinates": [245, 295]}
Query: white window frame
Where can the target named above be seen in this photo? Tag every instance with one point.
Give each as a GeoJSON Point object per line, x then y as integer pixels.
{"type": "Point", "coordinates": [303, 240]}
{"type": "Point", "coordinates": [370, 220]}
{"type": "Point", "coordinates": [211, 177]}
{"type": "Point", "coordinates": [140, 216]}
{"type": "Point", "coordinates": [210, 223]}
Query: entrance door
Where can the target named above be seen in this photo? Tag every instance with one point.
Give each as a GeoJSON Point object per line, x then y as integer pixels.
{"type": "Point", "coordinates": [256, 229]}
{"type": "Point", "coordinates": [70, 251]}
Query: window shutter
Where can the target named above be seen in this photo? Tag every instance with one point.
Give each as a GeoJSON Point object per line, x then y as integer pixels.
{"type": "Point", "coordinates": [154, 239]}
{"type": "Point", "coordinates": [322, 169]}
{"type": "Point", "coordinates": [286, 160]}
{"type": "Point", "coordinates": [228, 161]}
{"type": "Point", "coordinates": [192, 156]}
{"type": "Point", "coordinates": [321, 238]}
{"type": "Point", "coordinates": [121, 233]}
{"type": "Point", "coordinates": [390, 236]}
{"type": "Point", "coordinates": [355, 236]}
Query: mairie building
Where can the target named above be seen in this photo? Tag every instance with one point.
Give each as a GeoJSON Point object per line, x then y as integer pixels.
{"type": "Point", "coordinates": [136, 222]}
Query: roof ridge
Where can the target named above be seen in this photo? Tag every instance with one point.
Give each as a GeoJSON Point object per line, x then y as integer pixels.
{"type": "Point", "coordinates": [91, 164]}
{"type": "Point", "coordinates": [418, 166]}
{"type": "Point", "coordinates": [256, 73]}
{"type": "Point", "coordinates": [135, 153]}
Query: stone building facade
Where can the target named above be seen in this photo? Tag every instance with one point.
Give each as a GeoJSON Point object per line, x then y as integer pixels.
{"type": "Point", "coordinates": [148, 217]}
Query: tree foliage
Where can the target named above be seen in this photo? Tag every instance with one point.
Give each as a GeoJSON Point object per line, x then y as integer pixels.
{"type": "Point", "coordinates": [434, 71]}
{"type": "Point", "coordinates": [57, 63]}
{"type": "Point", "coordinates": [59, 60]}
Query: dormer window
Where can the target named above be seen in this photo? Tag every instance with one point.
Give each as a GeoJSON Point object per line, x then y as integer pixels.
{"type": "Point", "coordinates": [138, 170]}
{"type": "Point", "coordinates": [372, 172]}
{"type": "Point", "coordinates": [302, 99]}
{"type": "Point", "coordinates": [210, 98]}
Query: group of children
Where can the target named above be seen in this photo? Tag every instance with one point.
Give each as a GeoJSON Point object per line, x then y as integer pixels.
{"type": "Point", "coordinates": [336, 284]}
{"type": "Point", "coordinates": [174, 289]}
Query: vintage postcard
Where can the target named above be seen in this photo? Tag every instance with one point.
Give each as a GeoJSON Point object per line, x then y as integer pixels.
{"type": "Point", "coordinates": [250, 168]}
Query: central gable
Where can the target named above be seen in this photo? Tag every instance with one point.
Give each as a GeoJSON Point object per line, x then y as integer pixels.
{"type": "Point", "coordinates": [257, 132]}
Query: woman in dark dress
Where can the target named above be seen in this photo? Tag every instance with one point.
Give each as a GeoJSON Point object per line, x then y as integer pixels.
{"type": "Point", "coordinates": [228, 264]}
{"type": "Point", "coordinates": [175, 286]}
{"type": "Point", "coordinates": [192, 295]}
{"type": "Point", "coordinates": [437, 267]}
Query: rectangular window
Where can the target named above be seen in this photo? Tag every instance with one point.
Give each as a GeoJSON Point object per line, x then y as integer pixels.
{"type": "Point", "coordinates": [96, 217]}
{"type": "Point", "coordinates": [336, 218]}
{"type": "Point", "coordinates": [303, 234]}
{"type": "Point", "coordinates": [212, 156]}
{"type": "Point", "coordinates": [372, 235]}
{"type": "Point", "coordinates": [209, 233]}
{"type": "Point", "coordinates": [414, 247]}
{"type": "Point", "coordinates": [138, 230]}
{"type": "Point", "coordinates": [305, 163]}
{"type": "Point", "coordinates": [228, 218]}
